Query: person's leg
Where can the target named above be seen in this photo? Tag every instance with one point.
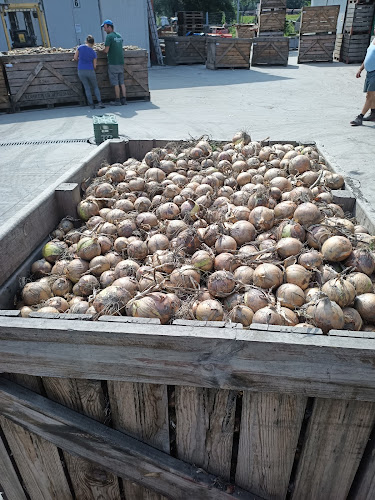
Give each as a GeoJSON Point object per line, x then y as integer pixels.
{"type": "Point", "coordinates": [371, 116]}
{"type": "Point", "coordinates": [117, 91]}
{"type": "Point", "coordinates": [122, 85]}
{"type": "Point", "coordinates": [83, 76]}
{"type": "Point", "coordinates": [368, 103]}
{"type": "Point", "coordinates": [94, 85]}
{"type": "Point", "coordinates": [113, 78]}
{"type": "Point", "coordinates": [369, 88]}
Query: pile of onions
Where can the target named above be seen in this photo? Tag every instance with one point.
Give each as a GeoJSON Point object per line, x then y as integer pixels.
{"type": "Point", "coordinates": [237, 231]}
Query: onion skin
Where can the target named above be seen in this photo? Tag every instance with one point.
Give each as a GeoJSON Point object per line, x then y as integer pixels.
{"type": "Point", "coordinates": [365, 305]}
{"type": "Point", "coordinates": [298, 275]}
{"type": "Point", "coordinates": [353, 320]}
{"type": "Point", "coordinates": [268, 316]}
{"type": "Point", "coordinates": [361, 282]}
{"type": "Point", "coordinates": [241, 314]}
{"type": "Point", "coordinates": [53, 250]}
{"type": "Point", "coordinates": [209, 310]}
{"type": "Point", "coordinates": [221, 283]}
{"type": "Point", "coordinates": [35, 292]}
{"type": "Point", "coordinates": [267, 276]}
{"type": "Point", "coordinates": [340, 291]}
{"type": "Point", "coordinates": [336, 249]}
{"type": "Point", "coordinates": [290, 296]}
{"type": "Point", "coordinates": [327, 315]}
{"type": "Point", "coordinates": [154, 305]}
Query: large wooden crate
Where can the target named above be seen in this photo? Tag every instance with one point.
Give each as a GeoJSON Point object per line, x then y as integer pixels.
{"type": "Point", "coordinates": [246, 30]}
{"type": "Point", "coordinates": [136, 75]}
{"type": "Point", "coordinates": [4, 95]}
{"type": "Point", "coordinates": [43, 80]}
{"type": "Point", "coordinates": [129, 408]}
{"type": "Point", "coordinates": [228, 53]}
{"type": "Point", "coordinates": [272, 21]}
{"type": "Point", "coordinates": [359, 18]}
{"type": "Point", "coordinates": [319, 19]}
{"type": "Point", "coordinates": [316, 48]}
{"type": "Point", "coordinates": [354, 47]}
{"type": "Point", "coordinates": [185, 50]}
{"type": "Point", "coordinates": [270, 50]}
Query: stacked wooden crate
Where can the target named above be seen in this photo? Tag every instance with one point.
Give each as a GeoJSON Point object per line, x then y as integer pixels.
{"type": "Point", "coordinates": [228, 53]}
{"type": "Point", "coordinates": [246, 30]}
{"type": "Point", "coordinates": [4, 95]}
{"type": "Point", "coordinates": [271, 47]}
{"type": "Point", "coordinates": [189, 21]}
{"type": "Point", "coordinates": [318, 34]}
{"type": "Point", "coordinates": [185, 50]}
{"type": "Point", "coordinates": [357, 31]}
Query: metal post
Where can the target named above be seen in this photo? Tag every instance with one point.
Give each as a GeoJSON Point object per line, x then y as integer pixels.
{"type": "Point", "coordinates": [238, 11]}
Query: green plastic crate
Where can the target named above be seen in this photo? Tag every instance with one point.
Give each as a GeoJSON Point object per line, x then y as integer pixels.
{"type": "Point", "coordinates": [105, 127]}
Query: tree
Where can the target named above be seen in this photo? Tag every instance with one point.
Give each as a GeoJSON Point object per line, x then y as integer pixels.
{"type": "Point", "coordinates": [169, 7]}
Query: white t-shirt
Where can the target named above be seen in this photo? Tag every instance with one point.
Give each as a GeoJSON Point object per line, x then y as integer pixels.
{"type": "Point", "coordinates": [370, 58]}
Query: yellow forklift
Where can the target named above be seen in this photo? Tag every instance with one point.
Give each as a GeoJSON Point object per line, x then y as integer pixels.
{"type": "Point", "coordinates": [16, 37]}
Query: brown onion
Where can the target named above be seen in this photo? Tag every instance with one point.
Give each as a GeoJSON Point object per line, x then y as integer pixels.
{"type": "Point", "coordinates": [221, 283]}
{"type": "Point", "coordinates": [262, 218]}
{"type": "Point", "coordinates": [61, 286]}
{"type": "Point", "coordinates": [361, 260]}
{"type": "Point", "coordinates": [286, 247]}
{"type": "Point", "coordinates": [243, 232]}
{"type": "Point", "coordinates": [53, 250]}
{"type": "Point", "coordinates": [241, 314]}
{"type": "Point", "coordinates": [268, 316]}
{"type": "Point", "coordinates": [307, 214]}
{"type": "Point", "coordinates": [290, 295]}
{"type": "Point", "coordinates": [267, 276]}
{"type": "Point", "coordinates": [298, 275]}
{"type": "Point", "coordinates": [225, 243]}
{"type": "Point", "coordinates": [76, 268]}
{"type": "Point", "coordinates": [154, 305]}
{"type": "Point", "coordinates": [365, 305]}
{"type": "Point", "coordinates": [88, 248]}
{"type": "Point", "coordinates": [209, 310]}
{"type": "Point", "coordinates": [86, 285]}
{"type": "Point", "coordinates": [111, 300]}
{"type": "Point", "coordinates": [202, 260]}
{"type": "Point", "coordinates": [35, 293]}
{"type": "Point", "coordinates": [327, 315]}
{"type": "Point", "coordinates": [311, 260]}
{"type": "Point", "coordinates": [340, 291]}
{"type": "Point", "coordinates": [352, 318]}
{"type": "Point", "coordinates": [58, 303]}
{"type": "Point", "coordinates": [41, 268]}
{"type": "Point", "coordinates": [361, 282]}
{"type": "Point", "coordinates": [336, 248]}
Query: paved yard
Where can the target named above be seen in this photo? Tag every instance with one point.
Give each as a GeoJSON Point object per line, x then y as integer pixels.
{"type": "Point", "coordinates": [297, 102]}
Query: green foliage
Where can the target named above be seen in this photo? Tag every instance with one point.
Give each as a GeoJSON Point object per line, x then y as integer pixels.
{"type": "Point", "coordinates": [297, 4]}
{"type": "Point", "coordinates": [170, 7]}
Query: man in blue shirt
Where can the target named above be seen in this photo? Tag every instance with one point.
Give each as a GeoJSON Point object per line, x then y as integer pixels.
{"type": "Point", "coordinates": [369, 65]}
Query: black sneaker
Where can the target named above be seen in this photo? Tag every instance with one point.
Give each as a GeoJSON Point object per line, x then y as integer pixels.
{"type": "Point", "coordinates": [357, 121]}
{"type": "Point", "coordinates": [115, 103]}
{"type": "Point", "coordinates": [123, 101]}
{"type": "Point", "coordinates": [369, 118]}
{"type": "Point", "coordinates": [92, 106]}
{"type": "Point", "coordinates": [100, 105]}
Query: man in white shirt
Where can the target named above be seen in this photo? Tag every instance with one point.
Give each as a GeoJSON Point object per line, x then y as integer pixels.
{"type": "Point", "coordinates": [369, 65]}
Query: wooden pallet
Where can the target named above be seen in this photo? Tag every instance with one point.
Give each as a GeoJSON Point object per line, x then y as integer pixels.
{"type": "Point", "coordinates": [136, 75]}
{"type": "Point", "coordinates": [246, 30]}
{"type": "Point", "coordinates": [359, 18]}
{"type": "Point", "coordinates": [270, 51]}
{"type": "Point", "coordinates": [316, 48]}
{"type": "Point", "coordinates": [319, 19]}
{"type": "Point", "coordinates": [4, 95]}
{"type": "Point", "coordinates": [228, 53]}
{"type": "Point", "coordinates": [185, 50]}
{"type": "Point", "coordinates": [337, 49]}
{"type": "Point", "coordinates": [272, 20]}
{"type": "Point", "coordinates": [354, 47]}
{"type": "Point", "coordinates": [272, 4]}
{"type": "Point", "coordinates": [42, 80]}
{"type": "Point", "coordinates": [182, 30]}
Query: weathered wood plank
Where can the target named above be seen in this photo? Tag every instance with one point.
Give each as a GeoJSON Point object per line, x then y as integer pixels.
{"type": "Point", "coordinates": [289, 363]}
{"type": "Point", "coordinates": [319, 19]}
{"type": "Point", "coordinates": [204, 428]}
{"type": "Point", "coordinates": [9, 482]}
{"type": "Point", "coordinates": [337, 435]}
{"type": "Point", "coordinates": [110, 449]}
{"type": "Point", "coordinates": [141, 410]}
{"type": "Point", "coordinates": [365, 479]}
{"type": "Point", "coordinates": [270, 427]}
{"type": "Point", "coordinates": [86, 397]}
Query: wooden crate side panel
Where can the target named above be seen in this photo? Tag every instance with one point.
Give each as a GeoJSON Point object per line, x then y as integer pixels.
{"type": "Point", "coordinates": [86, 397]}
{"type": "Point", "coordinates": [9, 481]}
{"type": "Point", "coordinates": [319, 19]}
{"type": "Point", "coordinates": [316, 48]}
{"type": "Point", "coordinates": [270, 427]}
{"type": "Point", "coordinates": [364, 488]}
{"type": "Point", "coordinates": [231, 53]}
{"type": "Point", "coordinates": [4, 97]}
{"type": "Point", "coordinates": [204, 428]}
{"type": "Point", "coordinates": [273, 20]}
{"type": "Point", "coordinates": [185, 50]}
{"type": "Point", "coordinates": [141, 410]}
{"type": "Point", "coordinates": [246, 31]}
{"type": "Point", "coordinates": [359, 18]}
{"type": "Point", "coordinates": [269, 51]}
{"type": "Point", "coordinates": [336, 437]}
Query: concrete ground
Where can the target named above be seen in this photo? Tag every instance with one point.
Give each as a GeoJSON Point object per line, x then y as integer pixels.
{"type": "Point", "coordinates": [308, 102]}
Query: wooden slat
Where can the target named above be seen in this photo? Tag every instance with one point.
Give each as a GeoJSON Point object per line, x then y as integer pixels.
{"type": "Point", "coordinates": [115, 451]}
{"type": "Point", "coordinates": [270, 427]}
{"type": "Point", "coordinates": [141, 410]}
{"type": "Point", "coordinates": [9, 482]}
{"type": "Point", "coordinates": [289, 363]}
{"type": "Point", "coordinates": [319, 19]}
{"type": "Point", "coordinates": [86, 397]}
{"type": "Point", "coordinates": [204, 428]}
{"type": "Point", "coordinates": [336, 437]}
{"type": "Point", "coordinates": [365, 478]}
{"type": "Point", "coordinates": [27, 82]}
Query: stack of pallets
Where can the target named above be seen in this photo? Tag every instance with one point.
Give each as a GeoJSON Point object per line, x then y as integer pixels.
{"type": "Point", "coordinates": [357, 31]}
{"type": "Point", "coordinates": [271, 47]}
{"type": "Point", "coordinates": [318, 33]}
{"type": "Point", "coordinates": [189, 21]}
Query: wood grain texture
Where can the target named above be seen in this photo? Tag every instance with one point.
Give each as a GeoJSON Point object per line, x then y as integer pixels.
{"type": "Point", "coordinates": [204, 428]}
{"type": "Point", "coordinates": [270, 427]}
{"type": "Point", "coordinates": [141, 410]}
{"type": "Point", "coordinates": [288, 363]}
{"type": "Point", "coordinates": [9, 482]}
{"type": "Point", "coordinates": [336, 438]}
{"type": "Point", "coordinates": [110, 449]}
{"type": "Point", "coordinates": [365, 478]}
{"type": "Point", "coordinates": [86, 397]}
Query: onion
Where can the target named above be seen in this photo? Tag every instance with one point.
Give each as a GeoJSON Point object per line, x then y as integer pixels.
{"type": "Point", "coordinates": [268, 316]}
{"type": "Point", "coordinates": [285, 210]}
{"type": "Point", "coordinates": [105, 244]}
{"type": "Point", "coordinates": [286, 247]}
{"type": "Point", "coordinates": [146, 220]}
{"type": "Point", "coordinates": [127, 267]}
{"type": "Point", "coordinates": [244, 275]}
{"type": "Point", "coordinates": [120, 244]}
{"type": "Point", "coordinates": [25, 311]}
{"type": "Point", "coordinates": [76, 268]}
{"type": "Point", "coordinates": [307, 214]}
{"type": "Point", "coordinates": [81, 307]}
{"type": "Point", "coordinates": [115, 173]}
{"type": "Point", "coordinates": [111, 300]}
{"type": "Point", "coordinates": [209, 310]}
{"type": "Point", "coordinates": [225, 243]}
{"type": "Point", "coordinates": [115, 215]}
{"type": "Point", "coordinates": [262, 218]}
{"type": "Point", "coordinates": [326, 315]}
{"type": "Point", "coordinates": [129, 283]}
{"type": "Point", "coordinates": [291, 229]}
{"type": "Point", "coordinates": [53, 250]}
{"type": "Point", "coordinates": [157, 242]}
{"type": "Point", "coordinates": [361, 282]}
{"type": "Point", "coordinates": [86, 285]}
{"type": "Point", "coordinates": [66, 225]}
{"type": "Point", "coordinates": [36, 292]}
{"type": "Point", "coordinates": [352, 318]}
{"type": "Point", "coordinates": [221, 283]}
{"type": "Point", "coordinates": [233, 300]}
{"type": "Point", "coordinates": [87, 208]}
{"type": "Point", "coordinates": [267, 276]}
{"type": "Point", "coordinates": [298, 275]}
{"type": "Point", "coordinates": [107, 278]}
{"type": "Point", "coordinates": [290, 318]}
{"type": "Point", "coordinates": [243, 232]}
{"type": "Point", "coordinates": [108, 229]}
{"type": "Point", "coordinates": [58, 303]}
{"type": "Point", "coordinates": [174, 227]}
{"type": "Point", "coordinates": [333, 180]}
{"type": "Point", "coordinates": [48, 310]}
{"type": "Point", "coordinates": [290, 295]}
{"type": "Point", "coordinates": [113, 258]}
{"type": "Point", "coordinates": [317, 235]}
{"type": "Point", "coordinates": [126, 228]}
{"type": "Point", "coordinates": [340, 291]}
{"type": "Point", "coordinates": [41, 268]}
{"type": "Point", "coordinates": [185, 277]}
{"type": "Point", "coordinates": [164, 261]}
{"type": "Point", "coordinates": [241, 314]}
{"type": "Point", "coordinates": [188, 240]}
{"type": "Point", "coordinates": [88, 248]}
{"type": "Point", "coordinates": [168, 211]}
{"type": "Point", "coordinates": [299, 164]}
{"type": "Point", "coordinates": [226, 261]}
{"type": "Point", "coordinates": [154, 305]}
{"type": "Point", "coordinates": [202, 260]}
{"type": "Point", "coordinates": [61, 286]}
{"type": "Point", "coordinates": [361, 260]}
{"type": "Point", "coordinates": [311, 260]}
{"type": "Point", "coordinates": [137, 249]}
{"type": "Point", "coordinates": [336, 249]}
{"type": "Point", "coordinates": [365, 305]}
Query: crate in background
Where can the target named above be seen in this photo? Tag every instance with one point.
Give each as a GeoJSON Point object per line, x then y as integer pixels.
{"type": "Point", "coordinates": [105, 127]}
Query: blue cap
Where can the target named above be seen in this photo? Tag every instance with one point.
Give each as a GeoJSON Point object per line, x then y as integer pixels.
{"type": "Point", "coordinates": [107, 21]}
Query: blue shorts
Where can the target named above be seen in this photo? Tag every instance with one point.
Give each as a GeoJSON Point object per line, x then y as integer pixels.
{"type": "Point", "coordinates": [369, 82]}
